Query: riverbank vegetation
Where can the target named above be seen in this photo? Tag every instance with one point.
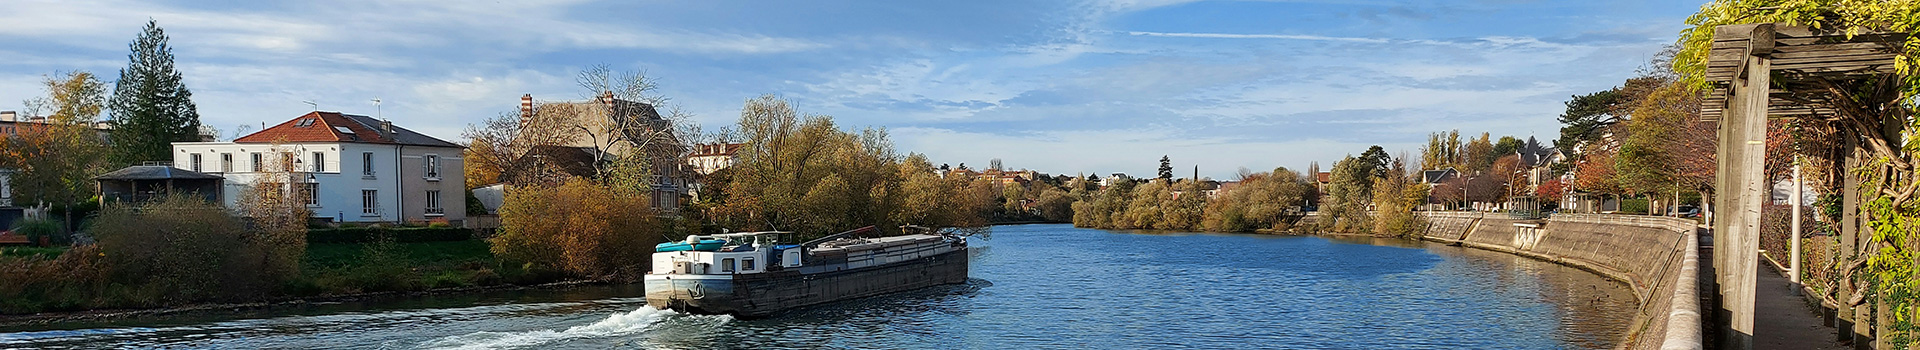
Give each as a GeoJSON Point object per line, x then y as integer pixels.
{"type": "Point", "coordinates": [1260, 201]}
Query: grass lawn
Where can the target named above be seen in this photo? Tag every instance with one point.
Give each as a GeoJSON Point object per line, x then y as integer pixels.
{"type": "Point", "coordinates": [355, 267]}
{"type": "Point", "coordinates": [323, 256]}
{"type": "Point", "coordinates": [43, 252]}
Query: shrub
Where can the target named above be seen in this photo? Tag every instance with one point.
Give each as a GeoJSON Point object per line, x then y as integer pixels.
{"type": "Point", "coordinates": [37, 229]}
{"type": "Point", "coordinates": [581, 227]}
{"type": "Point", "coordinates": [181, 249]}
{"type": "Point", "coordinates": [75, 280]}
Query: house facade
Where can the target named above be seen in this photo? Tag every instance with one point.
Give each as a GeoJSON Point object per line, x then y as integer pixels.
{"type": "Point", "coordinates": [609, 127]}
{"type": "Point", "coordinates": [708, 158]}
{"type": "Point", "coordinates": [357, 169]}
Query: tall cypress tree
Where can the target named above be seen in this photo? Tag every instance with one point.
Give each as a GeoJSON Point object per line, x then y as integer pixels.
{"type": "Point", "coordinates": [151, 107]}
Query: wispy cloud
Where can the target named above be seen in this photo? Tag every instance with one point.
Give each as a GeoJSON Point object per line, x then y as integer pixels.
{"type": "Point", "coordinates": [1260, 36]}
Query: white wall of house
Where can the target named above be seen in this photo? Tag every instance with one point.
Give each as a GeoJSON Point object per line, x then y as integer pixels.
{"type": "Point", "coordinates": [341, 178]}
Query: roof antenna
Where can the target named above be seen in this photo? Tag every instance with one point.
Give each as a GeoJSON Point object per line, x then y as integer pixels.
{"type": "Point", "coordinates": [376, 109]}
{"type": "Point", "coordinates": [316, 106]}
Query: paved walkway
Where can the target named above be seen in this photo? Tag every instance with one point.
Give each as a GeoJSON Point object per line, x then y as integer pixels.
{"type": "Point", "coordinates": [1782, 318]}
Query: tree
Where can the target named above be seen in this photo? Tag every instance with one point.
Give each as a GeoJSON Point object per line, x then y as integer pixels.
{"type": "Point", "coordinates": [1349, 192]}
{"type": "Point", "coordinates": [1394, 197]}
{"type": "Point", "coordinates": [1166, 168]}
{"type": "Point", "coordinates": [1507, 146]}
{"type": "Point", "coordinates": [1056, 205]}
{"type": "Point", "coordinates": [1477, 155]}
{"type": "Point", "coordinates": [805, 174]}
{"type": "Point", "coordinates": [1376, 160]}
{"type": "Point", "coordinates": [276, 206]}
{"type": "Point", "coordinates": [616, 129]}
{"type": "Point", "coordinates": [1587, 117]}
{"type": "Point", "coordinates": [1442, 151]}
{"type": "Point", "coordinates": [582, 227]}
{"type": "Point", "coordinates": [151, 106]}
{"type": "Point", "coordinates": [54, 162]}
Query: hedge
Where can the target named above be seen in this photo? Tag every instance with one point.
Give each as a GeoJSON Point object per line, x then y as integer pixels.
{"type": "Point", "coordinates": [399, 234]}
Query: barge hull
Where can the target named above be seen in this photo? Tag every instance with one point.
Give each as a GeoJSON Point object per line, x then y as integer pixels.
{"type": "Point", "coordinates": [762, 294]}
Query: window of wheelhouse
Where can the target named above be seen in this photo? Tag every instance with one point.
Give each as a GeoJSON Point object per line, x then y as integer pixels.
{"type": "Point", "coordinates": [746, 265]}
{"type": "Point", "coordinates": [726, 265]}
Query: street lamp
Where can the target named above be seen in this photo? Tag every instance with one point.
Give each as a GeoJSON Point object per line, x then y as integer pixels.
{"type": "Point", "coordinates": [1465, 200]}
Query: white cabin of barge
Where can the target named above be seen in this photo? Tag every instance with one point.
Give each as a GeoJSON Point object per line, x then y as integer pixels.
{"type": "Point", "coordinates": [744, 253]}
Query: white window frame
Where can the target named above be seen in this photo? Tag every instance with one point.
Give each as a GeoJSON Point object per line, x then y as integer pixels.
{"type": "Point", "coordinates": [434, 207]}
{"type": "Point", "coordinates": [226, 162]}
{"type": "Point", "coordinates": [366, 163]}
{"type": "Point", "coordinates": [258, 162]}
{"type": "Point", "coordinates": [369, 202]}
{"type": "Point", "coordinates": [193, 161]}
{"type": "Point", "coordinates": [432, 164]}
{"type": "Point", "coordinates": [319, 162]}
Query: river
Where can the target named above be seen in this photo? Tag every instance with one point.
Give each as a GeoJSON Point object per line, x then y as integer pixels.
{"type": "Point", "coordinates": [1033, 286]}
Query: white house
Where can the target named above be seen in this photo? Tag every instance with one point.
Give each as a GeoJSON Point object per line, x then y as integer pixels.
{"type": "Point", "coordinates": [359, 169]}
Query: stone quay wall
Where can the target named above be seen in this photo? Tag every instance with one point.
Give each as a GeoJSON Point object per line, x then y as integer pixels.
{"type": "Point", "coordinates": [1657, 256]}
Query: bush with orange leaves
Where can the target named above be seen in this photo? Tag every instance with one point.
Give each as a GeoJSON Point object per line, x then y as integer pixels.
{"type": "Point", "coordinates": [583, 227]}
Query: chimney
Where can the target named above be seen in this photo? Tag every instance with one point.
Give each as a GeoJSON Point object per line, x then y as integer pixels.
{"type": "Point", "coordinates": [526, 108]}
{"type": "Point", "coordinates": [607, 98]}
{"type": "Point", "coordinates": [386, 129]}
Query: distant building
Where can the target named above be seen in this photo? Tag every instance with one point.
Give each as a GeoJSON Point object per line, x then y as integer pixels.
{"type": "Point", "coordinates": [1009, 177]}
{"type": "Point", "coordinates": [1114, 179]}
{"type": "Point", "coordinates": [708, 158]}
{"type": "Point", "coordinates": [619, 128]}
{"type": "Point", "coordinates": [1438, 176]}
{"type": "Point", "coordinates": [355, 168]}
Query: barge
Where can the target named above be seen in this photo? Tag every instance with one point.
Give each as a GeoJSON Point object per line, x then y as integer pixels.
{"type": "Point", "coordinates": [753, 275]}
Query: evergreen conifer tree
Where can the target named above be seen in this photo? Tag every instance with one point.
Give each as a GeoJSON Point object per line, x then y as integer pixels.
{"type": "Point", "coordinates": [151, 107]}
{"type": "Point", "coordinates": [1166, 168]}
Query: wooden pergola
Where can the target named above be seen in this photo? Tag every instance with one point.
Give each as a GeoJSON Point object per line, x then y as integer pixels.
{"type": "Point", "coordinates": [1767, 70]}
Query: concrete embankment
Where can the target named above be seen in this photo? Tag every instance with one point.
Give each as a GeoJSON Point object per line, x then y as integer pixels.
{"type": "Point", "coordinates": [1657, 256]}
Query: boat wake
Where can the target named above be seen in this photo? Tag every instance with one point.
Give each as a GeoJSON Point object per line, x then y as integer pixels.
{"type": "Point", "coordinates": [620, 324]}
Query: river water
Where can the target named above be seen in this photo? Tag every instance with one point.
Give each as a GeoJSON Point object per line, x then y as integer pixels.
{"type": "Point", "coordinates": [1033, 286]}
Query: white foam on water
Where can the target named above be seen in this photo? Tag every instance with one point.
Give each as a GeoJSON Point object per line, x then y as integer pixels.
{"type": "Point", "coordinates": [618, 324]}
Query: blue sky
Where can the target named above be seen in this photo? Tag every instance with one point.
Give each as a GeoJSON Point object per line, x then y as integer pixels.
{"type": "Point", "coordinates": [1055, 86]}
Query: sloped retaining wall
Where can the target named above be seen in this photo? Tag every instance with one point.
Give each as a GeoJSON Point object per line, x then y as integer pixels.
{"type": "Point", "coordinates": [1657, 256]}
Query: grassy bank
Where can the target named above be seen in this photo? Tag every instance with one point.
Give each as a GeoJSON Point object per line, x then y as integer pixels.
{"type": "Point", "coordinates": [348, 268]}
{"type": "Point", "coordinates": [326, 270]}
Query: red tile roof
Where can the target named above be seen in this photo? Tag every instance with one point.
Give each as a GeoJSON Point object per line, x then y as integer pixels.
{"type": "Point", "coordinates": [316, 127]}
{"type": "Point", "coordinates": [321, 126]}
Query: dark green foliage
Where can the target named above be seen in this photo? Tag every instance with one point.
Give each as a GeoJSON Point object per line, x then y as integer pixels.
{"type": "Point", "coordinates": [1376, 161]}
{"type": "Point", "coordinates": [1587, 115]}
{"type": "Point", "coordinates": [37, 229]}
{"type": "Point", "coordinates": [473, 205]}
{"type": "Point", "coordinates": [182, 249]}
{"type": "Point", "coordinates": [1508, 145]}
{"type": "Point", "coordinates": [371, 234]}
{"type": "Point", "coordinates": [151, 107]}
{"type": "Point", "coordinates": [1166, 168]}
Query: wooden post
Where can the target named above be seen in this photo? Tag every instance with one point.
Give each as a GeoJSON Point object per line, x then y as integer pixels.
{"type": "Point", "coordinates": [1743, 132]}
{"type": "Point", "coordinates": [1849, 233]}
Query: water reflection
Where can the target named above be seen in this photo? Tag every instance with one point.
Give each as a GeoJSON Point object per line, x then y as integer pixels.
{"type": "Point", "coordinates": [1035, 286]}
